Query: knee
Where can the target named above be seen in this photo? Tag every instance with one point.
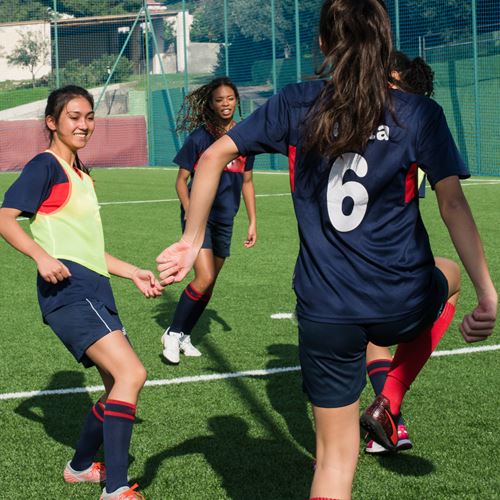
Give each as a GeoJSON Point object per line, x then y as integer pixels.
{"type": "Point", "coordinates": [136, 377]}
{"type": "Point", "coordinates": [204, 284]}
{"type": "Point", "coordinates": [452, 272]}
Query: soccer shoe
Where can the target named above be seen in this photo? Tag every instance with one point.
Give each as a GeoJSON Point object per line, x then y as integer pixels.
{"type": "Point", "coordinates": [380, 424]}
{"type": "Point", "coordinates": [123, 493]}
{"type": "Point", "coordinates": [187, 348]}
{"type": "Point", "coordinates": [96, 473]}
{"type": "Point", "coordinates": [404, 443]}
{"type": "Point", "coordinates": [171, 346]}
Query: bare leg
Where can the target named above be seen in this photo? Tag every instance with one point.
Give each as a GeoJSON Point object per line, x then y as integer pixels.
{"type": "Point", "coordinates": [337, 448]}
{"type": "Point", "coordinates": [122, 371]}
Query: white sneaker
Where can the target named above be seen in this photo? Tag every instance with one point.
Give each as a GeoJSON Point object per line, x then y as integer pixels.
{"type": "Point", "coordinates": [171, 345]}
{"type": "Point", "coordinates": [187, 348]}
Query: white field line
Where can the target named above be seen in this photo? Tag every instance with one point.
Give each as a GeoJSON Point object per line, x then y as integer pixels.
{"type": "Point", "coordinates": [217, 376]}
{"type": "Point", "coordinates": [169, 200]}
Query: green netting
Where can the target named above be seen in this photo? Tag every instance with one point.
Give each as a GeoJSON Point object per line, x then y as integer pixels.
{"type": "Point", "coordinates": [140, 58]}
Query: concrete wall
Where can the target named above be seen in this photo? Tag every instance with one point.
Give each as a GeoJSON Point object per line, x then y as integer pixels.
{"type": "Point", "coordinates": [10, 36]}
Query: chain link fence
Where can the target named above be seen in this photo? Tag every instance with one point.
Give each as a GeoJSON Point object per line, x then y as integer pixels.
{"type": "Point", "coordinates": [140, 58]}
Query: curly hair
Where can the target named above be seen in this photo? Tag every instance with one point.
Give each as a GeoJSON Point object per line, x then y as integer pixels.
{"type": "Point", "coordinates": [196, 110]}
{"type": "Point", "coordinates": [414, 75]}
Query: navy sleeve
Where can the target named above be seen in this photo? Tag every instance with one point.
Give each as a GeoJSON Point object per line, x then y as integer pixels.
{"type": "Point", "coordinates": [437, 153]}
{"type": "Point", "coordinates": [266, 130]}
{"type": "Point", "coordinates": [31, 188]}
{"type": "Point", "coordinates": [190, 152]}
{"type": "Point", "coordinates": [249, 161]}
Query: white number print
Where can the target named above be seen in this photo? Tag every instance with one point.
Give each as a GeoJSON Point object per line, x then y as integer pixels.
{"type": "Point", "coordinates": [338, 191]}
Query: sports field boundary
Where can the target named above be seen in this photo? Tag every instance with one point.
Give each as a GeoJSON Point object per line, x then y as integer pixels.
{"type": "Point", "coordinates": [216, 376]}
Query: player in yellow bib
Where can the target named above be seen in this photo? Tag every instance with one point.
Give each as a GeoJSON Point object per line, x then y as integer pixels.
{"type": "Point", "coordinates": [56, 192]}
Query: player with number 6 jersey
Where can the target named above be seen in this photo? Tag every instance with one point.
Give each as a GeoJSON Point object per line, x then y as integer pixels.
{"type": "Point", "coordinates": [365, 270]}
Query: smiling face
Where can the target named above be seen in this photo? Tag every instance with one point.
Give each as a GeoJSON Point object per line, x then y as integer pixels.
{"type": "Point", "coordinates": [74, 126]}
{"type": "Point", "coordinates": [223, 102]}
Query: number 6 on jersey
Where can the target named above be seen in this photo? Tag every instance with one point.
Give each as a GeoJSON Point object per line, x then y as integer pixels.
{"type": "Point", "coordinates": [338, 191]}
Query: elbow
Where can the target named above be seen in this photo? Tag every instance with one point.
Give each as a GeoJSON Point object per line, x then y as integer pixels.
{"type": "Point", "coordinates": [453, 207]}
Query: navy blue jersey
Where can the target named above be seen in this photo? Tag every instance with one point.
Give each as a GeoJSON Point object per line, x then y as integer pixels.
{"type": "Point", "coordinates": [227, 199]}
{"type": "Point", "coordinates": [43, 187]}
{"type": "Point", "coordinates": [364, 252]}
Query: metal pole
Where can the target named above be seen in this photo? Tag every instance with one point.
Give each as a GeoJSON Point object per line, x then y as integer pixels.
{"type": "Point", "coordinates": [151, 149]}
{"type": "Point", "coordinates": [226, 41]}
{"type": "Point", "coordinates": [398, 38]}
{"type": "Point", "coordinates": [118, 59]}
{"type": "Point", "coordinates": [298, 51]}
{"type": "Point", "coordinates": [273, 36]}
{"type": "Point", "coordinates": [476, 87]}
{"type": "Point", "coordinates": [56, 48]}
{"type": "Point", "coordinates": [170, 107]}
{"type": "Point", "coordinates": [275, 82]}
{"type": "Point", "coordinates": [184, 35]}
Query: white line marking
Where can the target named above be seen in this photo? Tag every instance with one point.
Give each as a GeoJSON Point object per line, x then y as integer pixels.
{"type": "Point", "coordinates": [282, 316]}
{"type": "Point", "coordinates": [466, 350]}
{"type": "Point", "coordinates": [168, 200]}
{"type": "Point", "coordinates": [216, 376]}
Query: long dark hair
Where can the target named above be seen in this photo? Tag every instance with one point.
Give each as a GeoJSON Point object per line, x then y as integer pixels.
{"type": "Point", "coordinates": [55, 104]}
{"type": "Point", "coordinates": [414, 75]}
{"type": "Point", "coordinates": [355, 37]}
{"type": "Point", "coordinates": [196, 111]}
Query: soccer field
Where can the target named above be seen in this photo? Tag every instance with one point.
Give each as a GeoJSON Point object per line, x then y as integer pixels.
{"type": "Point", "coordinates": [234, 424]}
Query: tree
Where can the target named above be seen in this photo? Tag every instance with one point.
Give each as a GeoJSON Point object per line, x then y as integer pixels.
{"type": "Point", "coordinates": [31, 52]}
{"type": "Point", "coordinates": [21, 10]}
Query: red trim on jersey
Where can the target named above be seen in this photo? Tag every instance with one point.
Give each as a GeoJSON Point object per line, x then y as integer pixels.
{"type": "Point", "coordinates": [97, 415]}
{"type": "Point", "coordinates": [118, 414]}
{"type": "Point", "coordinates": [122, 403]}
{"type": "Point", "coordinates": [58, 197]}
{"type": "Point", "coordinates": [292, 152]}
{"type": "Point", "coordinates": [411, 183]}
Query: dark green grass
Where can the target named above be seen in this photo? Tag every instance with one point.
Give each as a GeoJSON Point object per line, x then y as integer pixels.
{"type": "Point", "coordinates": [240, 438]}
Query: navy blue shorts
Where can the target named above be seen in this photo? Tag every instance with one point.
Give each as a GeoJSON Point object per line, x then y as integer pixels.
{"type": "Point", "coordinates": [217, 237]}
{"type": "Point", "coordinates": [82, 323]}
{"type": "Point", "coordinates": [333, 356]}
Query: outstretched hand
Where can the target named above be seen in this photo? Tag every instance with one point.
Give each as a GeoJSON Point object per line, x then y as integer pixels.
{"type": "Point", "coordinates": [175, 262]}
{"type": "Point", "coordinates": [479, 324]}
{"type": "Point", "coordinates": [146, 282]}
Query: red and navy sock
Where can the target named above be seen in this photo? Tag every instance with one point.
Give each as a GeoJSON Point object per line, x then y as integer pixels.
{"type": "Point", "coordinates": [90, 439]}
{"type": "Point", "coordinates": [410, 357]}
{"type": "Point", "coordinates": [377, 372]}
{"type": "Point", "coordinates": [119, 417]}
{"type": "Point", "coordinates": [196, 313]}
{"type": "Point", "coordinates": [189, 309]}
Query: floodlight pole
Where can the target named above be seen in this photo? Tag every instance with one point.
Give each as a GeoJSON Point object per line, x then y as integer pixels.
{"type": "Point", "coordinates": [56, 41]}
